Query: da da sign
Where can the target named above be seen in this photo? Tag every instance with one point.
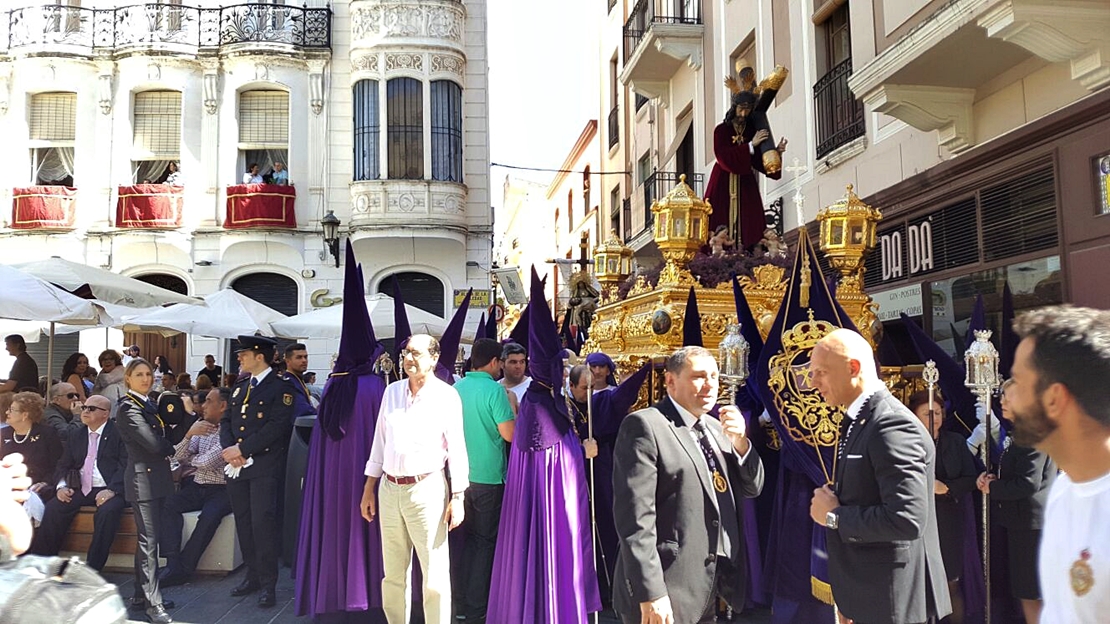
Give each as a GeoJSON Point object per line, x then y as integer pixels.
{"type": "Point", "coordinates": [907, 254]}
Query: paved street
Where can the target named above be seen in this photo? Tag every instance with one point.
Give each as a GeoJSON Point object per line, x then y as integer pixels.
{"type": "Point", "coordinates": [207, 600]}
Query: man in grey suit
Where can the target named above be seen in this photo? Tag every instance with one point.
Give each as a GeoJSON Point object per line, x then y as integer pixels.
{"type": "Point", "coordinates": [884, 551]}
{"type": "Point", "coordinates": [679, 480]}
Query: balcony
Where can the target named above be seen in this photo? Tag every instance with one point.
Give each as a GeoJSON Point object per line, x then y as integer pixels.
{"type": "Point", "coordinates": [659, 36]}
{"type": "Point", "coordinates": [439, 207]}
{"type": "Point", "coordinates": [401, 24]}
{"type": "Point", "coordinates": [43, 207]}
{"type": "Point", "coordinates": [149, 206]}
{"type": "Point", "coordinates": [261, 206]}
{"type": "Point", "coordinates": [68, 30]}
{"type": "Point", "coordinates": [914, 80]}
{"type": "Point", "coordinates": [839, 114]}
{"type": "Point", "coordinates": [614, 126]}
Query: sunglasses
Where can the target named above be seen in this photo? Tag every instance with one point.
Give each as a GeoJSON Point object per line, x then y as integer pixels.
{"type": "Point", "coordinates": [73, 395]}
{"type": "Point", "coordinates": [92, 408]}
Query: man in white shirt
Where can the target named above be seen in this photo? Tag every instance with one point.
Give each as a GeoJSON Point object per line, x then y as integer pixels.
{"type": "Point", "coordinates": [252, 176]}
{"type": "Point", "coordinates": [419, 455]}
{"type": "Point", "coordinates": [514, 368]}
{"type": "Point", "coordinates": [1061, 405]}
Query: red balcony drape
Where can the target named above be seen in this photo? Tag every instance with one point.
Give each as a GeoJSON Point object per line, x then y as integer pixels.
{"type": "Point", "coordinates": [36, 207]}
{"type": "Point", "coordinates": [260, 206]}
{"type": "Point", "coordinates": [150, 206]}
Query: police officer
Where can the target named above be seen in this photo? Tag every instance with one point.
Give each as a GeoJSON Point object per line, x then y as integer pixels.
{"type": "Point", "coordinates": [296, 363]}
{"type": "Point", "coordinates": [255, 435]}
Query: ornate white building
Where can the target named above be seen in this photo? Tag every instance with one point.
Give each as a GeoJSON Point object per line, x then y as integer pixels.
{"type": "Point", "coordinates": [376, 108]}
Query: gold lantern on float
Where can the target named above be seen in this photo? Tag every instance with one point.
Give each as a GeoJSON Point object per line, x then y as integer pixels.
{"type": "Point", "coordinates": [681, 228]}
{"type": "Point", "coordinates": [847, 234]}
{"type": "Point", "coordinates": [612, 264]}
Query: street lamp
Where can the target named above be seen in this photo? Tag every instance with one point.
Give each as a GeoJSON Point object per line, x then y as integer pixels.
{"type": "Point", "coordinates": [330, 223]}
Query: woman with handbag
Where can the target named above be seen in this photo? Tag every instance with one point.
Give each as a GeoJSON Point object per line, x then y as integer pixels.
{"type": "Point", "coordinates": [147, 481]}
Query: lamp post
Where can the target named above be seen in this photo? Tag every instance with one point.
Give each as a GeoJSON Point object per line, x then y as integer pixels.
{"type": "Point", "coordinates": [330, 223]}
{"type": "Point", "coordinates": [981, 363]}
{"type": "Point", "coordinates": [732, 357]}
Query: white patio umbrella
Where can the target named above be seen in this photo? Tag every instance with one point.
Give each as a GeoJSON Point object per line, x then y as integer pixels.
{"type": "Point", "coordinates": [328, 322]}
{"type": "Point", "coordinates": [28, 298]}
{"type": "Point", "coordinates": [102, 285]}
{"type": "Point", "coordinates": [224, 314]}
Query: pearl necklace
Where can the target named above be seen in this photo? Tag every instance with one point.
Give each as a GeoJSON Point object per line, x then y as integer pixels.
{"type": "Point", "coordinates": [15, 437]}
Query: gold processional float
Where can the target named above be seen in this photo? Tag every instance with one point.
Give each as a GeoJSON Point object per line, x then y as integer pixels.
{"type": "Point", "coordinates": [647, 323]}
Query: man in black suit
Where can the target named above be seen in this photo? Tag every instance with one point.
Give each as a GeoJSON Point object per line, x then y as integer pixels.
{"type": "Point", "coordinates": [884, 551]}
{"type": "Point", "coordinates": [679, 480]}
{"type": "Point", "coordinates": [256, 429]}
{"type": "Point", "coordinates": [86, 483]}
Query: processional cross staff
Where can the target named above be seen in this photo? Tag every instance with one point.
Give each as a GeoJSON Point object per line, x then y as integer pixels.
{"type": "Point", "coordinates": [798, 169]}
{"type": "Point", "coordinates": [981, 362]}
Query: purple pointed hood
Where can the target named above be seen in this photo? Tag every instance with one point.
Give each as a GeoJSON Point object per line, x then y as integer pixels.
{"type": "Point", "coordinates": [358, 350]}
{"type": "Point", "coordinates": [691, 322]}
{"type": "Point", "coordinates": [543, 418]}
{"type": "Point", "coordinates": [449, 343]}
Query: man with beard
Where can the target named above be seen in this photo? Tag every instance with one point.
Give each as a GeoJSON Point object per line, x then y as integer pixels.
{"type": "Point", "coordinates": [1061, 405]}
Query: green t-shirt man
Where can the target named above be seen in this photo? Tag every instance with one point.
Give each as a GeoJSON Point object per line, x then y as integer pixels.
{"type": "Point", "coordinates": [485, 405]}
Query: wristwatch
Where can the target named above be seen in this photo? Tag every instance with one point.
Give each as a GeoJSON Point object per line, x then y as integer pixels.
{"type": "Point", "coordinates": [832, 520]}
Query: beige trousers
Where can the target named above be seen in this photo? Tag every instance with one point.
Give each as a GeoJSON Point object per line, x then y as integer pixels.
{"type": "Point", "coordinates": [412, 518]}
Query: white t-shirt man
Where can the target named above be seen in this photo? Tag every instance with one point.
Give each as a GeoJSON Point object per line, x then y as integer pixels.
{"type": "Point", "coordinates": [518, 389]}
{"type": "Point", "coordinates": [1075, 552]}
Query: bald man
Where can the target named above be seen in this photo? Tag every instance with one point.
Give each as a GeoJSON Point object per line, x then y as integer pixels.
{"type": "Point", "coordinates": [81, 483]}
{"type": "Point", "coordinates": [884, 551]}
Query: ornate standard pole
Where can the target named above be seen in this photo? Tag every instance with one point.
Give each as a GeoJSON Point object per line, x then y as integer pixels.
{"type": "Point", "coordinates": [732, 358]}
{"type": "Point", "coordinates": [981, 362]}
{"type": "Point", "coordinates": [931, 375]}
{"type": "Point", "coordinates": [593, 491]}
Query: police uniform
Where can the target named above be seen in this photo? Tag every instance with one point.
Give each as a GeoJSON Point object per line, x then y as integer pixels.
{"type": "Point", "coordinates": [259, 418]}
{"type": "Point", "coordinates": [303, 403]}
{"type": "Point", "coordinates": [171, 409]}
{"type": "Point", "coordinates": [147, 482]}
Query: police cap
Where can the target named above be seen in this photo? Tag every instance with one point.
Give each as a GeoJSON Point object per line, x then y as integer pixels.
{"type": "Point", "coordinates": [257, 344]}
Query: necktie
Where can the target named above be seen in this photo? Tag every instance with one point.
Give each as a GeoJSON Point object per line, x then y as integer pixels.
{"type": "Point", "coordinates": [725, 505]}
{"type": "Point", "coordinates": [254, 382]}
{"type": "Point", "coordinates": [845, 433]}
{"type": "Point", "coordinates": [90, 463]}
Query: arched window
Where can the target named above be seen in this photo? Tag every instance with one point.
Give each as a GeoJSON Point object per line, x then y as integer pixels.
{"type": "Point", "coordinates": [152, 344]}
{"type": "Point", "coordinates": [447, 150]}
{"type": "Point", "coordinates": [366, 130]}
{"type": "Point", "coordinates": [420, 290]}
{"type": "Point", "coordinates": [405, 128]}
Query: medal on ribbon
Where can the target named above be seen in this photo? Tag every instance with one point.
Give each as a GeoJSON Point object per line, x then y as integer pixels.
{"type": "Point", "coordinates": [719, 482]}
{"type": "Point", "coordinates": [1082, 576]}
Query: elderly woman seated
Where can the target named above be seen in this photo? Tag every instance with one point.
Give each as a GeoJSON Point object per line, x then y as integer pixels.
{"type": "Point", "coordinates": [28, 434]}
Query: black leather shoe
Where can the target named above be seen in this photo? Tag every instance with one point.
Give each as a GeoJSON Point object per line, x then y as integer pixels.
{"type": "Point", "coordinates": [267, 599]}
{"type": "Point", "coordinates": [157, 614]}
{"type": "Point", "coordinates": [246, 587]}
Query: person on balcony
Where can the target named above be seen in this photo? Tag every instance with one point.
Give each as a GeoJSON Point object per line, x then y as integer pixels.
{"type": "Point", "coordinates": [252, 176]}
{"type": "Point", "coordinates": [280, 174]}
{"type": "Point", "coordinates": [175, 178]}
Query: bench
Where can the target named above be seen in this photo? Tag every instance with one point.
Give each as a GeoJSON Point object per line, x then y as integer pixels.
{"type": "Point", "coordinates": [221, 557]}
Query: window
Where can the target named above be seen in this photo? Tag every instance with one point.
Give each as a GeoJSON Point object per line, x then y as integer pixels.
{"type": "Point", "coordinates": [405, 128]}
{"type": "Point", "coordinates": [366, 128]}
{"type": "Point", "coordinates": [839, 114]}
{"type": "Point", "coordinates": [419, 290]}
{"type": "Point", "coordinates": [263, 130]}
{"type": "Point", "coordinates": [157, 134]}
{"type": "Point", "coordinates": [570, 210]}
{"type": "Point", "coordinates": [615, 209]}
{"type": "Point", "coordinates": [447, 148]}
{"type": "Point", "coordinates": [53, 129]}
{"type": "Point", "coordinates": [640, 101]}
{"type": "Point", "coordinates": [643, 168]}
{"type": "Point", "coordinates": [586, 191]}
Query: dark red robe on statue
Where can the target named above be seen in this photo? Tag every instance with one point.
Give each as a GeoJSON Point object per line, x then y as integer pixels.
{"type": "Point", "coordinates": [734, 160]}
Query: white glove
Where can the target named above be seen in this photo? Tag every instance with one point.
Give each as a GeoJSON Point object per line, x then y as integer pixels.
{"type": "Point", "coordinates": [978, 434]}
{"type": "Point", "coordinates": [232, 472]}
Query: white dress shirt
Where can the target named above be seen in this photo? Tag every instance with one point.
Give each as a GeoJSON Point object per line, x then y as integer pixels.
{"type": "Point", "coordinates": [419, 434]}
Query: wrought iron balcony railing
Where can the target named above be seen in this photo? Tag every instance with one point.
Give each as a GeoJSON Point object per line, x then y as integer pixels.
{"type": "Point", "coordinates": [649, 12]}
{"type": "Point", "coordinates": [84, 30]}
{"type": "Point", "coordinates": [614, 126]}
{"type": "Point", "coordinates": [839, 113]}
{"type": "Point", "coordinates": [658, 184]}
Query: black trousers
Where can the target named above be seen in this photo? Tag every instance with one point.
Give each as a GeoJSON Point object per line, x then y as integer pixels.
{"type": "Point", "coordinates": [212, 502]}
{"type": "Point", "coordinates": [59, 516]}
{"type": "Point", "coordinates": [148, 524]}
{"type": "Point", "coordinates": [254, 502]}
{"type": "Point", "coordinates": [482, 509]}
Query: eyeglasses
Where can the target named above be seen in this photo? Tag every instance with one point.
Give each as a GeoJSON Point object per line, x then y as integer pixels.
{"type": "Point", "coordinates": [412, 354]}
{"type": "Point", "coordinates": [73, 395]}
{"type": "Point", "coordinates": [92, 408]}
